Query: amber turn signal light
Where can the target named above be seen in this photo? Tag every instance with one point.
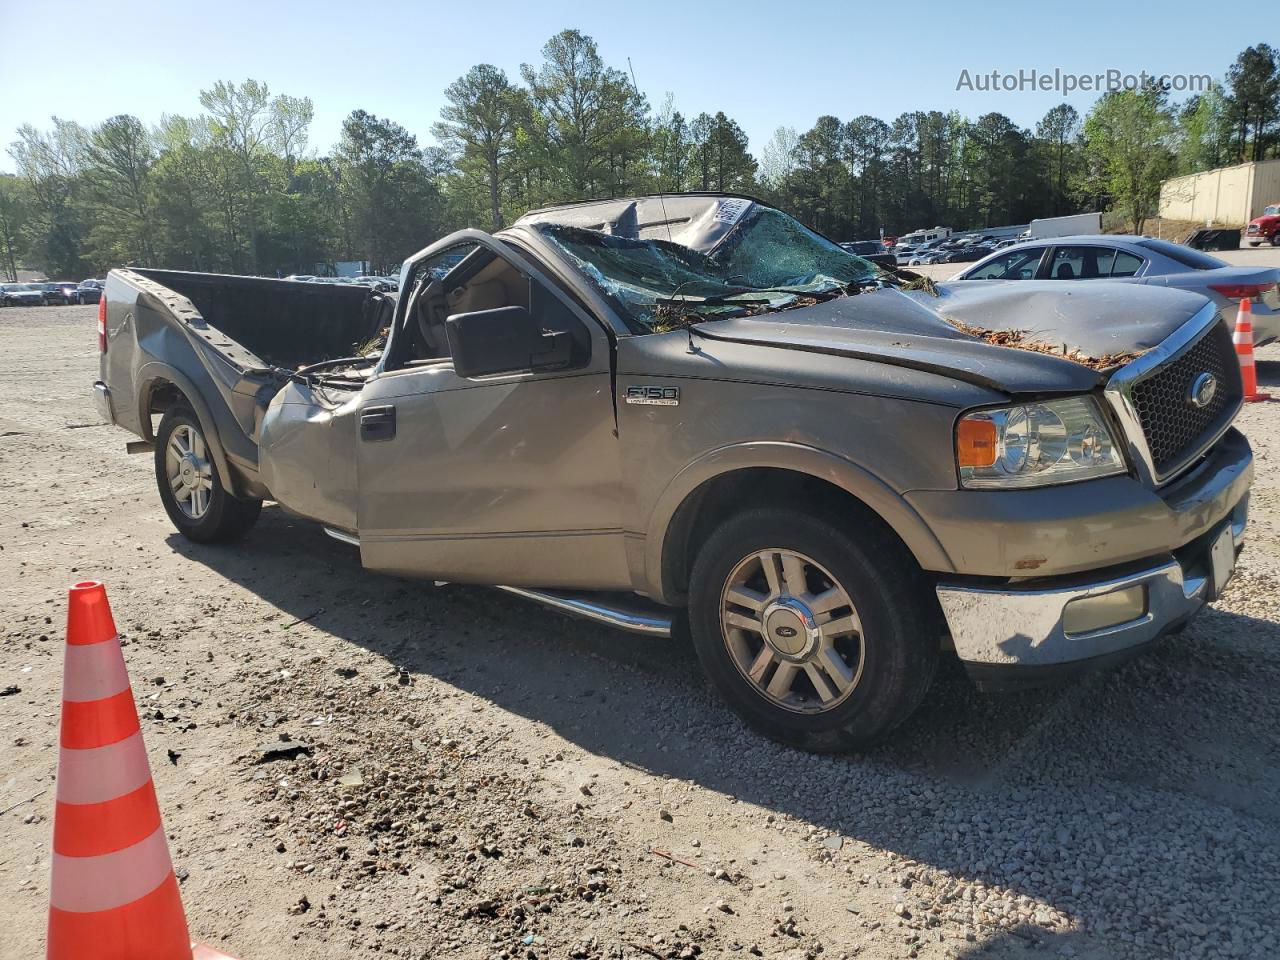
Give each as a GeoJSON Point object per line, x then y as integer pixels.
{"type": "Point", "coordinates": [975, 443]}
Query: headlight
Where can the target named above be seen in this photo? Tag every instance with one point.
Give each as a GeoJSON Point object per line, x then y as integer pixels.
{"type": "Point", "coordinates": [1035, 445]}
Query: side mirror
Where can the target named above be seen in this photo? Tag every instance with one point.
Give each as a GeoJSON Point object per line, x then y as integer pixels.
{"type": "Point", "coordinates": [505, 340]}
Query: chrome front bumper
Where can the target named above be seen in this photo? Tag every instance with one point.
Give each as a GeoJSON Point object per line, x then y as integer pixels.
{"type": "Point", "coordinates": [1010, 627]}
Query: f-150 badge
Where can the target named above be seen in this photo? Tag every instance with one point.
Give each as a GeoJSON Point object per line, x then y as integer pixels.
{"type": "Point", "coordinates": [654, 396]}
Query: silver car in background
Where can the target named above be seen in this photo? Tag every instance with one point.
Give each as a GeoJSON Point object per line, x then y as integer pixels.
{"type": "Point", "coordinates": [1143, 260]}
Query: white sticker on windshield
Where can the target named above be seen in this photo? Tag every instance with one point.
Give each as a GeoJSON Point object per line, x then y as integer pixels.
{"type": "Point", "coordinates": [731, 210]}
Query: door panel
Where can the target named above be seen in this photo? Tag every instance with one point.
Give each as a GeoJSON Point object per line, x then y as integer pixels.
{"type": "Point", "coordinates": [499, 479]}
{"type": "Point", "coordinates": [472, 470]}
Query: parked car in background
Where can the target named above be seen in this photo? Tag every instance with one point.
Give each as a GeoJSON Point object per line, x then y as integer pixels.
{"type": "Point", "coordinates": [55, 294]}
{"type": "Point", "coordinates": [872, 250]}
{"type": "Point", "coordinates": [89, 291]}
{"type": "Point", "coordinates": [22, 295]}
{"type": "Point", "coordinates": [1143, 260]}
{"type": "Point", "coordinates": [926, 254]}
{"type": "Point", "coordinates": [381, 284]}
{"type": "Point", "coordinates": [863, 248]}
{"type": "Point", "coordinates": [1265, 227]}
{"type": "Point", "coordinates": [967, 252]}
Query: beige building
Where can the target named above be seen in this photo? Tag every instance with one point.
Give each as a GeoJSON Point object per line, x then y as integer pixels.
{"type": "Point", "coordinates": [1230, 196]}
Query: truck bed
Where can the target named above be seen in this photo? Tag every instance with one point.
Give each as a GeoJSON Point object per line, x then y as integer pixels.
{"type": "Point", "coordinates": [226, 344]}
{"type": "Point", "coordinates": [282, 322]}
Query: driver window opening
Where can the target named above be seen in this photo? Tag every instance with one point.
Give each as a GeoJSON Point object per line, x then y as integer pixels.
{"type": "Point", "coordinates": [472, 278]}
{"type": "Point", "coordinates": [465, 279]}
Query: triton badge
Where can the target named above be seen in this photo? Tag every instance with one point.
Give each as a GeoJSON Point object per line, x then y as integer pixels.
{"type": "Point", "coordinates": [654, 396]}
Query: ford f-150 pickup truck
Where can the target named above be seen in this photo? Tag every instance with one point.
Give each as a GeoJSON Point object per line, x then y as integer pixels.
{"type": "Point", "coordinates": [691, 412]}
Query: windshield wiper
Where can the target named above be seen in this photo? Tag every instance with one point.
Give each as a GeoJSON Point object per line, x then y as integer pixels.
{"type": "Point", "coordinates": [831, 293]}
{"type": "Point", "coordinates": [745, 297]}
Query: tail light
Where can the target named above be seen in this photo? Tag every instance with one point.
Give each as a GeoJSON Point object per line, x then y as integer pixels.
{"type": "Point", "coordinates": [1242, 291]}
{"type": "Point", "coordinates": [102, 321]}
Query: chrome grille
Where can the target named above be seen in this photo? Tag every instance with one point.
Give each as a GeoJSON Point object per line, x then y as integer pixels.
{"type": "Point", "coordinates": [1175, 429]}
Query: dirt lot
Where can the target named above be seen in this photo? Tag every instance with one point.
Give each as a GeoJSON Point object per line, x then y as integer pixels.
{"type": "Point", "coordinates": [481, 778]}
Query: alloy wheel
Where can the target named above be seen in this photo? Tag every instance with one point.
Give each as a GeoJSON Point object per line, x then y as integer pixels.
{"type": "Point", "coordinates": [189, 471]}
{"type": "Point", "coordinates": [792, 631]}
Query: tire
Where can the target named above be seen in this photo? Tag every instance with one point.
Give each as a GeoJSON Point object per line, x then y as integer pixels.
{"type": "Point", "coordinates": [886, 662]}
{"type": "Point", "coordinates": [1275, 239]}
{"type": "Point", "coordinates": [207, 513]}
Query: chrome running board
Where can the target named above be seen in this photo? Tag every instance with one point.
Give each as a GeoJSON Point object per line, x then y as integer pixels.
{"type": "Point", "coordinates": [343, 536]}
{"type": "Point", "coordinates": [634, 616]}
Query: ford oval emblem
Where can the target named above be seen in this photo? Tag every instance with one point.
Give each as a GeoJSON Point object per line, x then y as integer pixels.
{"type": "Point", "coordinates": [786, 632]}
{"type": "Point", "coordinates": [1203, 387]}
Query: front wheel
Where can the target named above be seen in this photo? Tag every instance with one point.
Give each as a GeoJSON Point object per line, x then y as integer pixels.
{"type": "Point", "coordinates": [1275, 239]}
{"type": "Point", "coordinates": [818, 637]}
{"type": "Point", "coordinates": [192, 492]}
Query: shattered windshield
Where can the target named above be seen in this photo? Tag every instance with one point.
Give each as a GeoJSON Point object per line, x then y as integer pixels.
{"type": "Point", "coordinates": [766, 261]}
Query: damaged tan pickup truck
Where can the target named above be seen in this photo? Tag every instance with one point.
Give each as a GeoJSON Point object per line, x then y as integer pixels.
{"type": "Point", "coordinates": [692, 411]}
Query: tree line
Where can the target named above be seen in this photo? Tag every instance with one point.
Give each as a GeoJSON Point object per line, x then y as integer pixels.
{"type": "Point", "coordinates": [236, 187]}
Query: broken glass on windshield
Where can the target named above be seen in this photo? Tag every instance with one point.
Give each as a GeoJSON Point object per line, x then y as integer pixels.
{"type": "Point", "coordinates": [766, 261]}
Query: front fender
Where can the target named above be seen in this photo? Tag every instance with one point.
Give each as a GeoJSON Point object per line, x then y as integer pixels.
{"type": "Point", "coordinates": [798, 458]}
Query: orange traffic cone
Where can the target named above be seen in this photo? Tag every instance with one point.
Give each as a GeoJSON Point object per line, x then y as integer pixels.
{"type": "Point", "coordinates": [113, 893]}
{"type": "Point", "coordinates": [1243, 339]}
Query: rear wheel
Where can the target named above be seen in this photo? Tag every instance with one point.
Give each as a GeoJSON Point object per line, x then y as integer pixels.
{"type": "Point", "coordinates": [193, 495]}
{"type": "Point", "coordinates": [818, 637]}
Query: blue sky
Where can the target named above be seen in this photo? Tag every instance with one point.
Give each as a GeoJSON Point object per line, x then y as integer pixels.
{"type": "Point", "coordinates": [764, 64]}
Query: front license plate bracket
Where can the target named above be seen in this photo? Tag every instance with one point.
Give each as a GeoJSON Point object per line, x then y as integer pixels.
{"type": "Point", "coordinates": [1222, 560]}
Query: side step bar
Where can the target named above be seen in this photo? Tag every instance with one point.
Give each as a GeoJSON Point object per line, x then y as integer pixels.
{"type": "Point", "coordinates": [631, 613]}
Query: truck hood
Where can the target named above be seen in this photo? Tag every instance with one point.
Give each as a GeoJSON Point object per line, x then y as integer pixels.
{"type": "Point", "coordinates": [919, 331]}
{"type": "Point", "coordinates": [1269, 220]}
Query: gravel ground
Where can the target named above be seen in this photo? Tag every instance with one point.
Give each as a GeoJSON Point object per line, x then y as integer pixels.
{"type": "Point", "coordinates": [352, 765]}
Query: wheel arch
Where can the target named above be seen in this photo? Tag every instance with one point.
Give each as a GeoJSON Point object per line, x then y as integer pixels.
{"type": "Point", "coordinates": [159, 386]}
{"type": "Point", "coordinates": [730, 479]}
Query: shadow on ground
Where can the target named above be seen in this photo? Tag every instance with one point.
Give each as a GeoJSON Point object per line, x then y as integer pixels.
{"type": "Point", "coordinates": [1151, 740]}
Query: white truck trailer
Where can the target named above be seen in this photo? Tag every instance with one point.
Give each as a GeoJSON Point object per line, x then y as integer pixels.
{"type": "Point", "coordinates": [1072, 226]}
